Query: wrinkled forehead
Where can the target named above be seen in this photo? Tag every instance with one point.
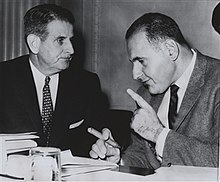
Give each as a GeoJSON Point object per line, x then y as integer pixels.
{"type": "Point", "coordinates": [60, 28]}
{"type": "Point", "coordinates": [136, 39]}
{"type": "Point", "coordinates": [140, 39]}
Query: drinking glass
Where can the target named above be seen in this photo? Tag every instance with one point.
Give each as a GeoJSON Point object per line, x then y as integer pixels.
{"type": "Point", "coordinates": [45, 164]}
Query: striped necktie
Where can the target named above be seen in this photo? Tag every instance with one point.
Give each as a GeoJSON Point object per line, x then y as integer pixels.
{"type": "Point", "coordinates": [47, 111]}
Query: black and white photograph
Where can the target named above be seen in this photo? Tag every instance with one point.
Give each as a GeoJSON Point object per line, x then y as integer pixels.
{"type": "Point", "coordinates": [109, 90]}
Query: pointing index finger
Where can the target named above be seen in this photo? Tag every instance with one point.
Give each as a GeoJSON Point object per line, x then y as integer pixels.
{"type": "Point", "coordinates": [140, 101]}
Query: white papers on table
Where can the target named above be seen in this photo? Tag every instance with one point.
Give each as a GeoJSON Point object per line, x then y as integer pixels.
{"type": "Point", "coordinates": [18, 142]}
{"type": "Point", "coordinates": [18, 166]}
{"type": "Point", "coordinates": [72, 165]}
{"type": "Point", "coordinates": [12, 143]}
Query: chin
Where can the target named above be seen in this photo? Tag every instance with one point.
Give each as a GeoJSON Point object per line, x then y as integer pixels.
{"type": "Point", "coordinates": [65, 65]}
{"type": "Point", "coordinates": [153, 90]}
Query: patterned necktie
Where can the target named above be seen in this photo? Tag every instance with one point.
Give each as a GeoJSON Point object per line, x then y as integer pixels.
{"type": "Point", "coordinates": [47, 111]}
{"type": "Point", "coordinates": [172, 114]}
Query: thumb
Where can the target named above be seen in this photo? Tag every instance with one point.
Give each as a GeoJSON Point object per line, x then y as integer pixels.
{"type": "Point", "coordinates": [107, 136]}
{"type": "Point", "coordinates": [106, 133]}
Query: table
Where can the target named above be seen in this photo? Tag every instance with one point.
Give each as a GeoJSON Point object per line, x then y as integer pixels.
{"type": "Point", "coordinates": [173, 173]}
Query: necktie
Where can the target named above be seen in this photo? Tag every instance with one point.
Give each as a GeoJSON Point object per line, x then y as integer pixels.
{"type": "Point", "coordinates": [47, 111]}
{"type": "Point", "coordinates": [172, 114]}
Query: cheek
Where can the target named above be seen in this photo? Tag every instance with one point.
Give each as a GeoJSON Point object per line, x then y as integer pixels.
{"type": "Point", "coordinates": [155, 71]}
{"type": "Point", "coordinates": [165, 77]}
{"type": "Point", "coordinates": [162, 77]}
{"type": "Point", "coordinates": [53, 55]}
{"type": "Point", "coordinates": [48, 57]}
{"type": "Point", "coordinates": [164, 69]}
{"type": "Point", "coordinates": [52, 51]}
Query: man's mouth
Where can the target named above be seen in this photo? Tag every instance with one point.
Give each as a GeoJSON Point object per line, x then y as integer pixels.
{"type": "Point", "coordinates": [69, 58]}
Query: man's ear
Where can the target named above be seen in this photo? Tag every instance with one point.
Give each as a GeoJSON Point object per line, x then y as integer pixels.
{"type": "Point", "coordinates": [33, 43]}
{"type": "Point", "coordinates": [172, 49]}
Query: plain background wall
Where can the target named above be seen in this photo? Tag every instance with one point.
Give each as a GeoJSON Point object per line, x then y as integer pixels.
{"type": "Point", "coordinates": [111, 18]}
{"type": "Point", "coordinates": [99, 38]}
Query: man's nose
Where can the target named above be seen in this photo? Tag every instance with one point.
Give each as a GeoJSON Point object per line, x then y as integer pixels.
{"type": "Point", "coordinates": [137, 71]}
{"type": "Point", "coordinates": [69, 48]}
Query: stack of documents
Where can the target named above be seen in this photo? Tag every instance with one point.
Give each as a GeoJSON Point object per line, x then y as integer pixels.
{"type": "Point", "coordinates": [13, 143]}
{"type": "Point", "coordinates": [72, 165]}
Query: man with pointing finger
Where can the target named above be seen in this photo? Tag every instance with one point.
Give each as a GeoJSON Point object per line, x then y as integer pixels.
{"type": "Point", "coordinates": [178, 114]}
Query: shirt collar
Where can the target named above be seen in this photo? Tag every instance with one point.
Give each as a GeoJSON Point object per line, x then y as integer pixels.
{"type": "Point", "coordinates": [39, 80]}
{"type": "Point", "coordinates": [38, 76]}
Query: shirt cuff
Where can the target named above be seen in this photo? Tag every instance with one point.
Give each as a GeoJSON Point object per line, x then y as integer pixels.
{"type": "Point", "coordinates": [161, 141]}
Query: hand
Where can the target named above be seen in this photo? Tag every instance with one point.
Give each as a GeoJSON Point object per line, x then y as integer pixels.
{"type": "Point", "coordinates": [145, 121]}
{"type": "Point", "coordinates": [105, 146]}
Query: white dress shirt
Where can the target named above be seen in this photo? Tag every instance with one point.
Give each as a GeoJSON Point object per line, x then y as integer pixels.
{"type": "Point", "coordinates": [162, 113]}
{"type": "Point", "coordinates": [39, 80]}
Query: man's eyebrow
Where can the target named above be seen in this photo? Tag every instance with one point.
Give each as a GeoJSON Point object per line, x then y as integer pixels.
{"type": "Point", "coordinates": [60, 37]}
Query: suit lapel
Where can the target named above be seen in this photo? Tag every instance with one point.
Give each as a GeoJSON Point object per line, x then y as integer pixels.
{"type": "Point", "coordinates": [26, 92]}
{"type": "Point", "coordinates": [67, 102]}
{"type": "Point", "coordinates": [64, 93]}
{"type": "Point", "coordinates": [193, 90]}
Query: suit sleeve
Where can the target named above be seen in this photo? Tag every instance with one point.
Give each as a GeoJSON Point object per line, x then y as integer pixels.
{"type": "Point", "coordinates": [140, 154]}
{"type": "Point", "coordinates": [183, 150]}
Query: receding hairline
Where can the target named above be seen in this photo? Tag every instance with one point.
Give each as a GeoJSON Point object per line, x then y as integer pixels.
{"type": "Point", "coordinates": [153, 42]}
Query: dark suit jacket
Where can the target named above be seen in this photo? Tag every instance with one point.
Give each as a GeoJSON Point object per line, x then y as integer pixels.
{"type": "Point", "coordinates": [195, 138]}
{"type": "Point", "coordinates": [78, 98]}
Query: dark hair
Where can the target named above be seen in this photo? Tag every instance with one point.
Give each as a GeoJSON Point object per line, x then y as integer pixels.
{"type": "Point", "coordinates": [37, 18]}
{"type": "Point", "coordinates": [157, 27]}
{"type": "Point", "coordinates": [216, 18]}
